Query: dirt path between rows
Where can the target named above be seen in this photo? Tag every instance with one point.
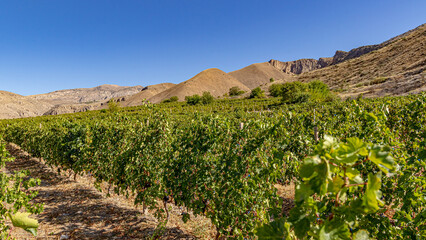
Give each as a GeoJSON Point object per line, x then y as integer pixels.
{"type": "Point", "coordinates": [76, 210]}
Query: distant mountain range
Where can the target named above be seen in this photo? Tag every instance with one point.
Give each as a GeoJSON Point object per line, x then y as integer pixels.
{"type": "Point", "coordinates": [394, 67]}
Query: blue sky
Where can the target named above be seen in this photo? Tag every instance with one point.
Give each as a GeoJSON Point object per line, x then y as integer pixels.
{"type": "Point", "coordinates": [47, 45]}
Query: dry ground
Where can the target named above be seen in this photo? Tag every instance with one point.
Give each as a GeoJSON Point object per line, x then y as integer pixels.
{"type": "Point", "coordinates": [74, 209]}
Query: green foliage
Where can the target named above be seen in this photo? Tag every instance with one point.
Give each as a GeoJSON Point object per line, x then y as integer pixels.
{"type": "Point", "coordinates": [271, 80]}
{"type": "Point", "coordinates": [113, 105]}
{"type": "Point", "coordinates": [174, 99]}
{"type": "Point", "coordinates": [319, 92]}
{"type": "Point", "coordinates": [170, 100]}
{"type": "Point", "coordinates": [207, 98]}
{"type": "Point", "coordinates": [14, 196]}
{"type": "Point", "coordinates": [257, 93]}
{"type": "Point", "coordinates": [193, 100]}
{"type": "Point", "coordinates": [235, 91]}
{"type": "Point", "coordinates": [22, 220]}
{"type": "Point", "coordinates": [223, 160]}
{"type": "Point", "coordinates": [298, 92]}
{"type": "Point", "coordinates": [275, 90]}
{"type": "Point", "coordinates": [294, 92]}
{"type": "Point", "coordinates": [334, 198]}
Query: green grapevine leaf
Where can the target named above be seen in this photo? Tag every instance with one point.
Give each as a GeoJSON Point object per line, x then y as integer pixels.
{"type": "Point", "coordinates": [371, 200]}
{"type": "Point", "coordinates": [380, 155]}
{"type": "Point", "coordinates": [303, 191]}
{"type": "Point", "coordinates": [308, 168]}
{"type": "Point", "coordinates": [354, 175]}
{"type": "Point", "coordinates": [361, 235]}
{"type": "Point", "coordinates": [335, 185]}
{"type": "Point", "coordinates": [334, 230]}
{"type": "Point", "coordinates": [348, 153]}
{"type": "Point", "coordinates": [21, 220]}
{"type": "Point", "coordinates": [276, 230]}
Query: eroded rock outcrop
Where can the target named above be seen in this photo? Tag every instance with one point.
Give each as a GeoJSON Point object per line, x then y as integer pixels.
{"type": "Point", "coordinates": [296, 67]}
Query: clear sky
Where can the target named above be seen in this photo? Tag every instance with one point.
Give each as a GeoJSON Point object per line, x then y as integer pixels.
{"type": "Point", "coordinates": [48, 45]}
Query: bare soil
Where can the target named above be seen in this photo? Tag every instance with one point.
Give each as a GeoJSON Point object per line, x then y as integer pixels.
{"type": "Point", "coordinates": [75, 209]}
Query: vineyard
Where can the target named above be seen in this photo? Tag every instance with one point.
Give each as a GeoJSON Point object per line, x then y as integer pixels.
{"type": "Point", "coordinates": [359, 165]}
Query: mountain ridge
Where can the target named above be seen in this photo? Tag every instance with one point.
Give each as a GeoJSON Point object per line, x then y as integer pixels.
{"type": "Point", "coordinates": [393, 67]}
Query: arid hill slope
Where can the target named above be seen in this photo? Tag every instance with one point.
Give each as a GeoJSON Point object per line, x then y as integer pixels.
{"type": "Point", "coordinates": [86, 95]}
{"type": "Point", "coordinates": [307, 65]}
{"type": "Point", "coordinates": [213, 80]}
{"type": "Point", "coordinates": [146, 93]}
{"type": "Point", "coordinates": [395, 69]}
{"type": "Point", "coordinates": [60, 102]}
{"type": "Point", "coordinates": [17, 106]}
{"type": "Point", "coordinates": [258, 74]}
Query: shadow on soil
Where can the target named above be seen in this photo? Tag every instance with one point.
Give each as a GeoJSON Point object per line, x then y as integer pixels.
{"type": "Point", "coordinates": [80, 212]}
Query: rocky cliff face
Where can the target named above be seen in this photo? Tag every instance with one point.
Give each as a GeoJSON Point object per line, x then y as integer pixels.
{"type": "Point", "coordinates": [341, 56]}
{"type": "Point", "coordinates": [325, 62]}
{"type": "Point", "coordinates": [306, 65]}
{"type": "Point", "coordinates": [395, 67]}
{"type": "Point", "coordinates": [296, 67]}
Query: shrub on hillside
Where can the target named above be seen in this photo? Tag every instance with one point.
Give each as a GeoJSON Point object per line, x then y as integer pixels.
{"type": "Point", "coordinates": [207, 98]}
{"type": "Point", "coordinates": [193, 100]}
{"type": "Point", "coordinates": [297, 92]}
{"type": "Point", "coordinates": [113, 105]}
{"type": "Point", "coordinates": [275, 90]}
{"type": "Point", "coordinates": [235, 91]}
{"type": "Point", "coordinates": [172, 99]}
{"type": "Point", "coordinates": [294, 92]}
{"type": "Point", "coordinates": [319, 92]}
{"type": "Point", "coordinates": [257, 93]}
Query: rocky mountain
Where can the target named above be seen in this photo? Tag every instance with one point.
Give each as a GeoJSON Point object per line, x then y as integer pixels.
{"type": "Point", "coordinates": [298, 66]}
{"type": "Point", "coordinates": [213, 80]}
{"type": "Point", "coordinates": [86, 95]}
{"type": "Point", "coordinates": [17, 106]}
{"type": "Point", "coordinates": [306, 65]}
{"type": "Point", "coordinates": [62, 101]}
{"type": "Point", "coordinates": [397, 67]}
{"type": "Point", "coordinates": [394, 67]}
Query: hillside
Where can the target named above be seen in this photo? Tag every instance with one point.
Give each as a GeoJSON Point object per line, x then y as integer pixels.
{"type": "Point", "coordinates": [213, 80]}
{"type": "Point", "coordinates": [146, 93]}
{"type": "Point", "coordinates": [258, 74]}
{"type": "Point", "coordinates": [62, 101]}
{"type": "Point", "coordinates": [307, 65]}
{"type": "Point", "coordinates": [86, 95]}
{"type": "Point", "coordinates": [394, 69]}
{"type": "Point", "coordinates": [301, 65]}
{"type": "Point", "coordinates": [17, 106]}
